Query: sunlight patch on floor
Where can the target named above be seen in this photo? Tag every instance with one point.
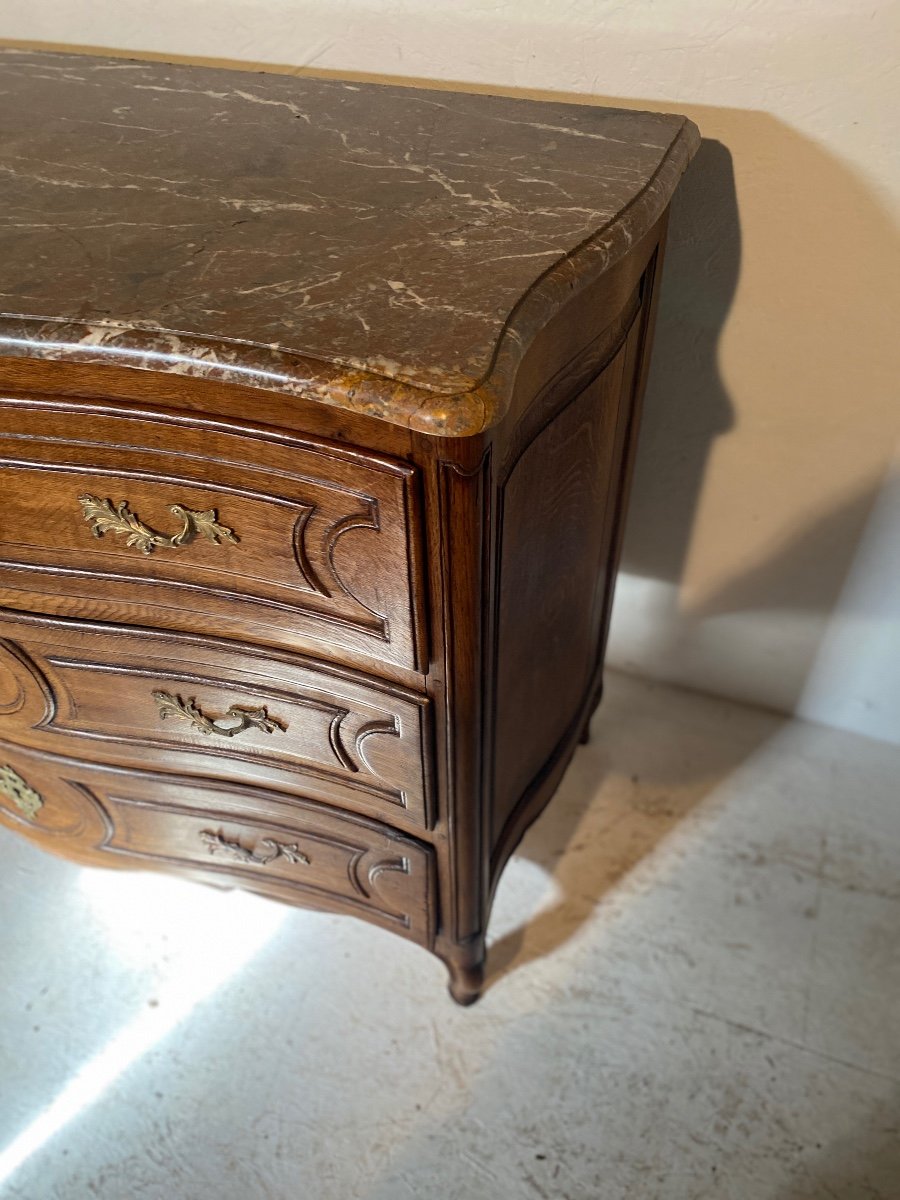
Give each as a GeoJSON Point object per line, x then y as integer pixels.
{"type": "Point", "coordinates": [140, 917]}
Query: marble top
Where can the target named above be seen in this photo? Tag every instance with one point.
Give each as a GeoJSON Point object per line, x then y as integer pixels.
{"type": "Point", "coordinates": [389, 249]}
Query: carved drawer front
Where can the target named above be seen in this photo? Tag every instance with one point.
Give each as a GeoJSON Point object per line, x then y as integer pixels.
{"type": "Point", "coordinates": [290, 849]}
{"type": "Point", "coordinates": [199, 706]}
{"type": "Point", "coordinates": [241, 532]}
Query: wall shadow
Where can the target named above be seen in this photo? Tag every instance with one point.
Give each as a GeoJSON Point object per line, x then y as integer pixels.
{"type": "Point", "coordinates": [767, 520]}
{"type": "Point", "coordinates": [686, 406]}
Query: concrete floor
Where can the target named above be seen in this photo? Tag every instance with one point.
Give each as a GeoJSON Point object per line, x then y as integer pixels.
{"type": "Point", "coordinates": [695, 992]}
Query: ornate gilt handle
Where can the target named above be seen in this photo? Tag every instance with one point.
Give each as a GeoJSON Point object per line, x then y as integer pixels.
{"type": "Point", "coordinates": [188, 710]}
{"type": "Point", "coordinates": [105, 517]}
{"type": "Point", "coordinates": [217, 844]}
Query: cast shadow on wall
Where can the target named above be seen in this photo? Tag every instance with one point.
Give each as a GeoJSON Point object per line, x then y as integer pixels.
{"type": "Point", "coordinates": [816, 429]}
{"type": "Point", "coordinates": [686, 406]}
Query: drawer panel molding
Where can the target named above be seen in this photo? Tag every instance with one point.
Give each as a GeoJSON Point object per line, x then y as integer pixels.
{"type": "Point", "coordinates": [195, 705]}
{"type": "Point", "coordinates": [309, 855]}
{"type": "Point", "coordinates": [276, 540]}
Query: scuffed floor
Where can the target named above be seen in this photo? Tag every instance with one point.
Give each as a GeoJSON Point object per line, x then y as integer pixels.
{"type": "Point", "coordinates": [695, 992]}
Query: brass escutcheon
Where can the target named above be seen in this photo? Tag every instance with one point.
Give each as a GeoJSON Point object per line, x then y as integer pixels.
{"type": "Point", "coordinates": [25, 798]}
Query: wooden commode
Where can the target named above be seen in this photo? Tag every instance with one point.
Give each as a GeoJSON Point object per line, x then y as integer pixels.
{"type": "Point", "coordinates": [318, 407]}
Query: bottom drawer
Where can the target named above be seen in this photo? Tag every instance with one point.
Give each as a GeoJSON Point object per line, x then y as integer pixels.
{"type": "Point", "coordinates": [284, 847]}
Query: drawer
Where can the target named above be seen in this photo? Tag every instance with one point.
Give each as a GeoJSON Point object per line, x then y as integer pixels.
{"type": "Point", "coordinates": [197, 706]}
{"type": "Point", "coordinates": [289, 849]}
{"type": "Point", "coordinates": [211, 528]}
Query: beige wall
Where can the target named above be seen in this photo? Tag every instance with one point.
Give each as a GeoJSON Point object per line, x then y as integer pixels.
{"type": "Point", "coordinates": [763, 554]}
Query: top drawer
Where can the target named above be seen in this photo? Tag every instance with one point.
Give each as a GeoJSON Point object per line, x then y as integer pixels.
{"type": "Point", "coordinates": [236, 531]}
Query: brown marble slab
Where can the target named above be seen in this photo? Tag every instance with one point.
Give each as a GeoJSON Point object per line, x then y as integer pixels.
{"type": "Point", "coordinates": [387, 249]}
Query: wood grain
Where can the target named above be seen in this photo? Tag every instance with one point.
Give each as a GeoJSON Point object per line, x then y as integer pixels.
{"type": "Point", "coordinates": [334, 860]}
{"type": "Point", "coordinates": [325, 538]}
{"type": "Point", "coordinates": [80, 688]}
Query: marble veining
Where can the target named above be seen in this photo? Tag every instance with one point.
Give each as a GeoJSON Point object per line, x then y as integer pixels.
{"type": "Point", "coordinates": [387, 249]}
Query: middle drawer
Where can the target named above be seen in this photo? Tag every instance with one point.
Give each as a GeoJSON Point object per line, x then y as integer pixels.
{"type": "Point", "coordinates": [209, 707]}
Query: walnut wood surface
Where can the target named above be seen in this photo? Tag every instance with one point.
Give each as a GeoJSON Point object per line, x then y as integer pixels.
{"type": "Point", "coordinates": [82, 688]}
{"type": "Point", "coordinates": [362, 695]}
{"type": "Point", "coordinates": [554, 533]}
{"type": "Point", "coordinates": [326, 539]}
{"type": "Point", "coordinates": [195, 826]}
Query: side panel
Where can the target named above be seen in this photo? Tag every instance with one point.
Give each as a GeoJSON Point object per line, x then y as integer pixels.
{"type": "Point", "coordinates": [556, 569]}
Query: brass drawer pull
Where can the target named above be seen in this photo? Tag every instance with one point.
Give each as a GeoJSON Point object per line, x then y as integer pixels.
{"type": "Point", "coordinates": [104, 517]}
{"type": "Point", "coordinates": [188, 710]}
{"type": "Point", "coordinates": [217, 844]}
{"type": "Point", "coordinates": [25, 798]}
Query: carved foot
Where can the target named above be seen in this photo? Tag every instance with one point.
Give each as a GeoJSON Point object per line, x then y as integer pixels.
{"type": "Point", "coordinates": [586, 729]}
{"type": "Point", "coordinates": [466, 983]}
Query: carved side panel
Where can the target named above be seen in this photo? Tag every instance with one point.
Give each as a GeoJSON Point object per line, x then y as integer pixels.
{"type": "Point", "coordinates": [555, 521]}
